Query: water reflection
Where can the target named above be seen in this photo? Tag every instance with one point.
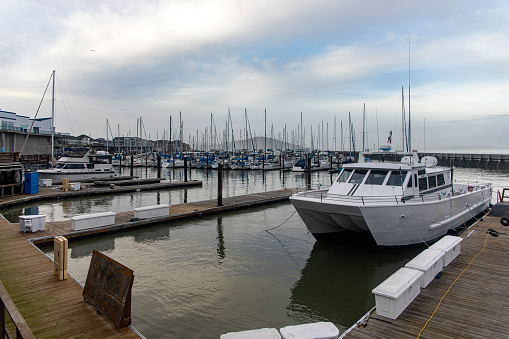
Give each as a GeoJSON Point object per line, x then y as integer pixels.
{"type": "Point", "coordinates": [151, 234]}
{"type": "Point", "coordinates": [336, 272]}
{"type": "Point", "coordinates": [85, 247]}
{"type": "Point", "coordinates": [220, 240]}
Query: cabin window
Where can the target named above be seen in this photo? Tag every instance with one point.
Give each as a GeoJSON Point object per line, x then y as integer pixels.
{"type": "Point", "coordinates": [410, 182]}
{"type": "Point", "coordinates": [397, 178]}
{"type": "Point", "coordinates": [345, 174]}
{"type": "Point", "coordinates": [440, 180]}
{"type": "Point", "coordinates": [432, 182]}
{"type": "Point", "coordinates": [357, 176]}
{"type": "Point", "coordinates": [423, 184]}
{"type": "Point", "coordinates": [376, 177]}
{"type": "Point", "coordinates": [421, 172]}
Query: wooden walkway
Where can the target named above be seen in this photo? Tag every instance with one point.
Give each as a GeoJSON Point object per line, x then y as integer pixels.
{"type": "Point", "coordinates": [477, 305]}
{"type": "Point", "coordinates": [56, 309]}
{"type": "Point", "coordinates": [55, 192]}
{"type": "Point", "coordinates": [124, 220]}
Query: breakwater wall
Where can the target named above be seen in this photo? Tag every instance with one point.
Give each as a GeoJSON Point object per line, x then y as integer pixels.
{"type": "Point", "coordinates": [467, 160]}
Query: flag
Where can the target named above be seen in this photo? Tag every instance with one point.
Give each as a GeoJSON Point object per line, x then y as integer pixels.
{"type": "Point", "coordinates": [389, 140]}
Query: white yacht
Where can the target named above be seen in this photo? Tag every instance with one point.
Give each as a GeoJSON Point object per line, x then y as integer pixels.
{"type": "Point", "coordinates": [90, 166]}
{"type": "Point", "coordinates": [404, 203]}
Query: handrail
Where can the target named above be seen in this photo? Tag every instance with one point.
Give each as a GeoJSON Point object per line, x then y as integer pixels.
{"type": "Point", "coordinates": [365, 200]}
{"type": "Point", "coordinates": [6, 303]}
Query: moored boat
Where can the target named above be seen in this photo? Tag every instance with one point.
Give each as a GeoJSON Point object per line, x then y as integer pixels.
{"type": "Point", "coordinates": [90, 166]}
{"type": "Point", "coordinates": [404, 203]}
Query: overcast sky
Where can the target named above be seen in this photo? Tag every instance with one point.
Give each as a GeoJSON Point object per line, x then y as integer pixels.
{"type": "Point", "coordinates": [121, 60]}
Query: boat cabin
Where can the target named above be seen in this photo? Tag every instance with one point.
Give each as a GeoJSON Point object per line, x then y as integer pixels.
{"type": "Point", "coordinates": [404, 179]}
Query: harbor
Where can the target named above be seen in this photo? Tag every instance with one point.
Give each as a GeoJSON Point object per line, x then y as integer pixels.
{"type": "Point", "coordinates": [256, 262]}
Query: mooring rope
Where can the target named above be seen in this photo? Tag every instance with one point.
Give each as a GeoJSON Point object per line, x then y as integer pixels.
{"type": "Point", "coordinates": [422, 329]}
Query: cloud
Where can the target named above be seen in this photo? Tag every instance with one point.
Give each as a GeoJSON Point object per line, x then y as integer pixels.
{"type": "Point", "coordinates": [125, 59]}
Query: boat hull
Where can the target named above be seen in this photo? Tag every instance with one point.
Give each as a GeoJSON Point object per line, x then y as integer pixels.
{"type": "Point", "coordinates": [391, 224]}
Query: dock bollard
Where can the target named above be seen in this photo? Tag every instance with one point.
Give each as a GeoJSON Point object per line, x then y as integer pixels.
{"type": "Point", "coordinates": [60, 256]}
{"type": "Point", "coordinates": [65, 184]}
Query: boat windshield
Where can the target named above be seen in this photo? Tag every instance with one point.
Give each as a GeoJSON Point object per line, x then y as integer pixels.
{"type": "Point", "coordinates": [376, 177]}
{"type": "Point", "coordinates": [397, 178]}
{"type": "Point", "coordinates": [345, 174]}
{"type": "Point", "coordinates": [357, 176]}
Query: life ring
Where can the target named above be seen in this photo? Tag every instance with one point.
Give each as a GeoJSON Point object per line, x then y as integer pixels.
{"type": "Point", "coordinates": [504, 221]}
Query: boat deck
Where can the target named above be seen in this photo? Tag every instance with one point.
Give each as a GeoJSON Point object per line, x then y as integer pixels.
{"type": "Point", "coordinates": [477, 304]}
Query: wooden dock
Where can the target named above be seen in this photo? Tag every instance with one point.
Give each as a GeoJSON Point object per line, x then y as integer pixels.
{"type": "Point", "coordinates": [56, 309]}
{"type": "Point", "coordinates": [55, 192]}
{"type": "Point", "coordinates": [477, 304]}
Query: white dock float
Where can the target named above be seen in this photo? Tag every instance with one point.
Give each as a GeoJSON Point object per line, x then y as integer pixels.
{"type": "Point", "coordinates": [32, 223]}
{"type": "Point", "coordinates": [320, 330]}
{"type": "Point", "coordinates": [397, 292]}
{"type": "Point", "coordinates": [262, 333]}
{"type": "Point", "coordinates": [152, 211]}
{"type": "Point", "coordinates": [430, 262]}
{"type": "Point", "coordinates": [86, 221]}
{"type": "Point", "coordinates": [450, 245]}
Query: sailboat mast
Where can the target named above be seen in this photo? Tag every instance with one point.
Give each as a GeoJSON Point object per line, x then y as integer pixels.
{"type": "Point", "coordinates": [363, 125]}
{"type": "Point", "coordinates": [53, 118]}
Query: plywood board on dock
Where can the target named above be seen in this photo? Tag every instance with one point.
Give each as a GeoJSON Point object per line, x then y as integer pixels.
{"type": "Point", "coordinates": [476, 306]}
{"type": "Point", "coordinates": [51, 308]}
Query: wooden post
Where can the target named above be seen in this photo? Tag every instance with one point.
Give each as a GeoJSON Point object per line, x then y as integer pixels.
{"type": "Point", "coordinates": [220, 185]}
{"type": "Point", "coordinates": [185, 168]}
{"type": "Point", "coordinates": [330, 162]}
{"type": "Point", "coordinates": [159, 166]}
{"type": "Point", "coordinates": [308, 170]}
{"type": "Point", "coordinates": [132, 165]}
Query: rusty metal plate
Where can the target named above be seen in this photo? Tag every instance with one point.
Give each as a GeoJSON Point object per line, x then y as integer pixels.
{"type": "Point", "coordinates": [108, 288]}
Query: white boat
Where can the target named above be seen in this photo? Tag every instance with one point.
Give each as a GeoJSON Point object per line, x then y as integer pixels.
{"type": "Point", "coordinates": [90, 166]}
{"type": "Point", "coordinates": [400, 203]}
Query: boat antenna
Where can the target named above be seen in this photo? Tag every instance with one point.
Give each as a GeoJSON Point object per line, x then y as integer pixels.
{"type": "Point", "coordinates": [409, 119]}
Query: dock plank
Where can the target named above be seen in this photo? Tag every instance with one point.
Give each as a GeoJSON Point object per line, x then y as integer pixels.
{"type": "Point", "coordinates": [477, 305]}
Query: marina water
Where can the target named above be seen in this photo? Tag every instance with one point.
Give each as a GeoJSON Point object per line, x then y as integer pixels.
{"type": "Point", "coordinates": [205, 277]}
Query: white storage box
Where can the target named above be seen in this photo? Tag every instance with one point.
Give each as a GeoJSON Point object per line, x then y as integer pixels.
{"type": "Point", "coordinates": [397, 292]}
{"type": "Point", "coordinates": [32, 223]}
{"type": "Point", "coordinates": [85, 221]}
{"type": "Point", "coordinates": [45, 182]}
{"type": "Point", "coordinates": [152, 211]}
{"type": "Point", "coordinates": [320, 330]}
{"type": "Point", "coordinates": [75, 186]}
{"type": "Point", "coordinates": [262, 333]}
{"type": "Point", "coordinates": [450, 245]}
{"type": "Point", "coordinates": [430, 262]}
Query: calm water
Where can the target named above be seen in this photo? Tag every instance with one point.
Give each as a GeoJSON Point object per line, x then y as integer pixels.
{"type": "Point", "coordinates": [202, 278]}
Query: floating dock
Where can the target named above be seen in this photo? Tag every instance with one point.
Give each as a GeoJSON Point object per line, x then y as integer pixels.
{"type": "Point", "coordinates": [56, 309]}
{"type": "Point", "coordinates": [471, 295]}
{"type": "Point", "coordinates": [56, 192]}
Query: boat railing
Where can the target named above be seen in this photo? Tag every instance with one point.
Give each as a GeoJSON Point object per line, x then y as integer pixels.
{"type": "Point", "coordinates": [398, 199]}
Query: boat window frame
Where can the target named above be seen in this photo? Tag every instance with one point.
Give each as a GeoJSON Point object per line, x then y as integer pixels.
{"type": "Point", "coordinates": [356, 170]}
{"type": "Point", "coordinates": [440, 182]}
{"type": "Point", "coordinates": [349, 175]}
{"type": "Point", "coordinates": [377, 183]}
{"type": "Point", "coordinates": [423, 180]}
{"type": "Point", "coordinates": [432, 181]}
{"type": "Point", "coordinates": [402, 173]}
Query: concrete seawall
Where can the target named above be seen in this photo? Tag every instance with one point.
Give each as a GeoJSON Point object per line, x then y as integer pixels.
{"type": "Point", "coordinates": [467, 160]}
